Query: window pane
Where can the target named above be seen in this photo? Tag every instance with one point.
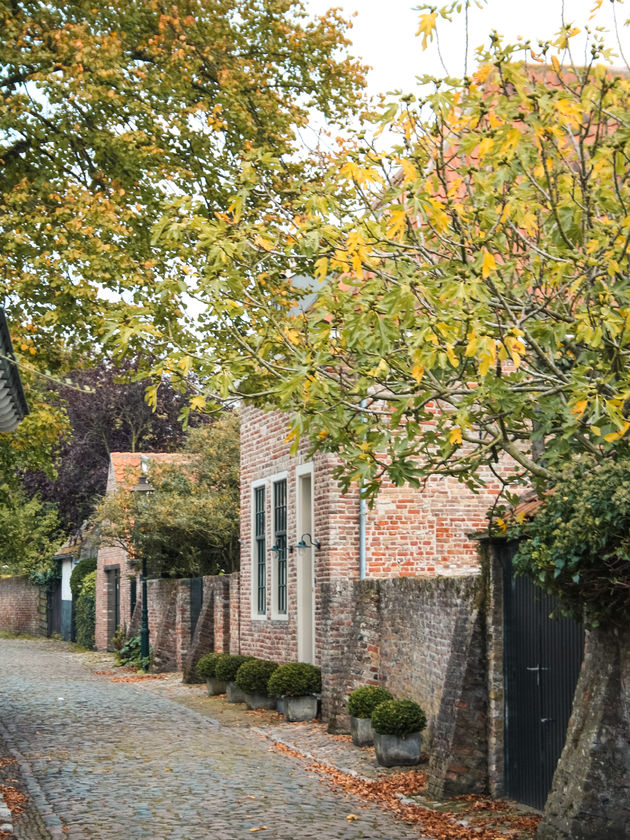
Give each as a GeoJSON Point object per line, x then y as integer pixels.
{"type": "Point", "coordinates": [261, 550]}
{"type": "Point", "coordinates": [280, 540]}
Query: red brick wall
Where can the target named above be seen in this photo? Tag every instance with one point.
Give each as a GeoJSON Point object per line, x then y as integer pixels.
{"type": "Point", "coordinates": [409, 531]}
{"type": "Point", "coordinates": [111, 556]}
{"type": "Point", "coordinates": [214, 630]}
{"type": "Point", "coordinates": [421, 638]}
{"type": "Point", "coordinates": [19, 606]}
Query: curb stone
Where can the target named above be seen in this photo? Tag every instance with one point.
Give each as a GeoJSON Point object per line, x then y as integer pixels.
{"type": "Point", "coordinates": [6, 819]}
{"type": "Point", "coordinates": [51, 821]}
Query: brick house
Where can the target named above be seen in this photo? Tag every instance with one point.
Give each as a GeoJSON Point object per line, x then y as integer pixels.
{"type": "Point", "coordinates": [117, 586]}
{"type": "Point", "coordinates": [289, 500]}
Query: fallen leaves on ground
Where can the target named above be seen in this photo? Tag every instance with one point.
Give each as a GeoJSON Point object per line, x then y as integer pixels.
{"type": "Point", "coordinates": [4, 762]}
{"type": "Point", "coordinates": [386, 793]}
{"type": "Point", "coordinates": [485, 812]}
{"type": "Point", "coordinates": [133, 678]}
{"type": "Point", "coordinates": [13, 798]}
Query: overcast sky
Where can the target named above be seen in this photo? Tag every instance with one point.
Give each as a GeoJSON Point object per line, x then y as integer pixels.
{"type": "Point", "coordinates": [384, 33]}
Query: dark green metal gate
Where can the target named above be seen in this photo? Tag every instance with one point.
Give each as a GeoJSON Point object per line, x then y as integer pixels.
{"type": "Point", "coordinates": [542, 660]}
{"type": "Point", "coordinates": [196, 602]}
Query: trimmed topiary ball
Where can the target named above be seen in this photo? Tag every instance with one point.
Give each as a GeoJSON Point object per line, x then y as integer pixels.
{"type": "Point", "coordinates": [207, 664]}
{"type": "Point", "coordinates": [398, 717]}
{"type": "Point", "coordinates": [227, 665]}
{"type": "Point", "coordinates": [253, 675]}
{"type": "Point", "coordinates": [362, 701]}
{"type": "Point", "coordinates": [295, 679]}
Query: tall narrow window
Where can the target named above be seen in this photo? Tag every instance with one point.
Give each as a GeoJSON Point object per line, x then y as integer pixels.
{"type": "Point", "coordinates": [261, 549]}
{"type": "Point", "coordinates": [280, 541]}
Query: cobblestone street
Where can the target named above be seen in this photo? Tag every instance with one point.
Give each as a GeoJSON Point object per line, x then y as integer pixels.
{"type": "Point", "coordinates": [113, 761]}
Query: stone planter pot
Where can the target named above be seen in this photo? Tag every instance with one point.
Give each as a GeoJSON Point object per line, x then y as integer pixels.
{"type": "Point", "coordinates": [260, 701]}
{"type": "Point", "coordinates": [394, 750]}
{"type": "Point", "coordinates": [362, 732]}
{"type": "Point", "coordinates": [216, 686]}
{"type": "Point", "coordinates": [280, 705]}
{"type": "Point", "coordinates": [300, 708]}
{"type": "Point", "coordinates": [234, 694]}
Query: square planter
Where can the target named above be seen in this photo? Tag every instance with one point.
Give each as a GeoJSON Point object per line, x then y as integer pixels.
{"type": "Point", "coordinates": [362, 732]}
{"type": "Point", "coordinates": [394, 750]}
{"type": "Point", "coordinates": [216, 686]}
{"type": "Point", "coordinates": [280, 706]}
{"type": "Point", "coordinates": [260, 701]}
{"type": "Point", "coordinates": [234, 694]}
{"type": "Point", "coordinates": [300, 708]}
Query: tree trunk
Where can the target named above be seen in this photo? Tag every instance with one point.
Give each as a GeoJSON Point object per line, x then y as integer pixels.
{"type": "Point", "coordinates": [590, 796]}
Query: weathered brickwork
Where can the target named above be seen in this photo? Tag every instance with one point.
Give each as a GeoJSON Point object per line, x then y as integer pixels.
{"type": "Point", "coordinates": [421, 638]}
{"type": "Point", "coordinates": [20, 606]}
{"type": "Point", "coordinates": [409, 532]}
{"type": "Point", "coordinates": [212, 631]}
{"type": "Point", "coordinates": [495, 640]}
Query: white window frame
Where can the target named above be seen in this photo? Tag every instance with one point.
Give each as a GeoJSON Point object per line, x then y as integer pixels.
{"type": "Point", "coordinates": [258, 616]}
{"type": "Point", "coordinates": [275, 615]}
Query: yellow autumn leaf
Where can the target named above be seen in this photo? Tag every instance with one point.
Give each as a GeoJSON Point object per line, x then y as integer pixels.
{"type": "Point", "coordinates": [321, 268]}
{"type": "Point", "coordinates": [417, 371]}
{"type": "Point", "coordinates": [455, 436]}
{"type": "Point", "coordinates": [579, 408]}
{"type": "Point", "coordinates": [487, 359]}
{"type": "Point", "coordinates": [426, 28]}
{"type": "Point", "coordinates": [450, 353]}
{"type": "Point", "coordinates": [486, 145]}
{"type": "Point", "coordinates": [198, 402]}
{"type": "Point", "coordinates": [360, 174]}
{"type": "Point", "coordinates": [512, 139]}
{"type": "Point", "coordinates": [397, 222]}
{"type": "Point", "coordinates": [613, 436]}
{"type": "Point", "coordinates": [555, 63]}
{"type": "Point", "coordinates": [488, 264]}
{"type": "Point", "coordinates": [263, 243]}
{"type": "Point", "coordinates": [409, 171]}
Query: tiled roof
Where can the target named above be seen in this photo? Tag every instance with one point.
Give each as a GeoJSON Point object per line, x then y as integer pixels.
{"type": "Point", "coordinates": [528, 506]}
{"type": "Point", "coordinates": [127, 469]}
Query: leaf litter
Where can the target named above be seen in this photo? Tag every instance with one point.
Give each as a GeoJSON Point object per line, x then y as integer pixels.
{"type": "Point", "coordinates": [480, 818]}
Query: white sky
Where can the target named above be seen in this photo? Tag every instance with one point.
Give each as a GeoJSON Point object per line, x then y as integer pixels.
{"type": "Point", "coordinates": [383, 33]}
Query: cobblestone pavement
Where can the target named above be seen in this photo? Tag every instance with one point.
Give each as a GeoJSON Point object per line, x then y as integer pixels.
{"type": "Point", "coordinates": [113, 761]}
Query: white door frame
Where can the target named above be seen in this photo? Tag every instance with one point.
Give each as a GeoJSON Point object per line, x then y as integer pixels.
{"type": "Point", "coordinates": [305, 565]}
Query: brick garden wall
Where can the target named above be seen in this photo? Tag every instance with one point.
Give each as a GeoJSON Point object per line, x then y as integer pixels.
{"type": "Point", "coordinates": [421, 638]}
{"type": "Point", "coordinates": [176, 644]}
{"type": "Point", "coordinates": [213, 631]}
{"type": "Point", "coordinates": [20, 606]}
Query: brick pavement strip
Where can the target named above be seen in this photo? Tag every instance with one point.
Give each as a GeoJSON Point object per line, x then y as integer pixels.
{"type": "Point", "coordinates": [112, 761]}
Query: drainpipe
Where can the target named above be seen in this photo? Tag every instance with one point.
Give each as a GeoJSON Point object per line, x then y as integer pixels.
{"type": "Point", "coordinates": [362, 525]}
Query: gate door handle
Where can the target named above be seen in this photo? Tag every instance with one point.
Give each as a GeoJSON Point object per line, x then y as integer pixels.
{"type": "Point", "coordinates": [546, 720]}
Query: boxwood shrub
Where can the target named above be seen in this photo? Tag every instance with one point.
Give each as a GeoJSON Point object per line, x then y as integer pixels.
{"type": "Point", "coordinates": [227, 665]}
{"type": "Point", "coordinates": [398, 717]}
{"type": "Point", "coordinates": [295, 679]}
{"type": "Point", "coordinates": [84, 567]}
{"type": "Point", "coordinates": [362, 701]}
{"type": "Point", "coordinates": [253, 675]}
{"type": "Point", "coordinates": [207, 665]}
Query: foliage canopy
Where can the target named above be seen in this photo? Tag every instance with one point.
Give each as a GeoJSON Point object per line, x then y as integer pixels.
{"type": "Point", "coordinates": [471, 294]}
{"type": "Point", "coordinates": [189, 524]}
{"type": "Point", "coordinates": [578, 545]}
